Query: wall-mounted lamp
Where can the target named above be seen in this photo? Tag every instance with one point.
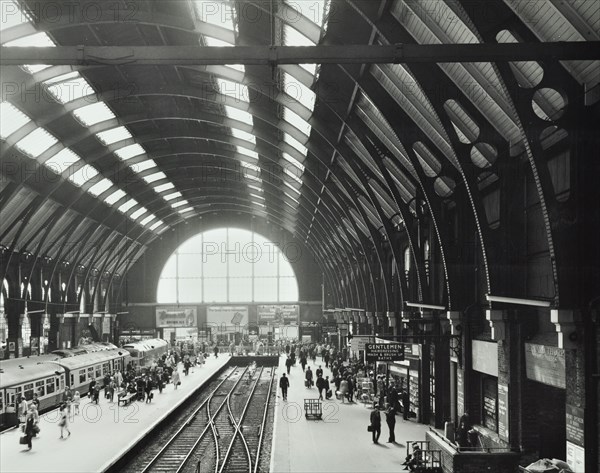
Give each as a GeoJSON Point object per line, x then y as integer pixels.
{"type": "Point", "coordinates": [515, 300]}
{"type": "Point", "coordinates": [425, 306]}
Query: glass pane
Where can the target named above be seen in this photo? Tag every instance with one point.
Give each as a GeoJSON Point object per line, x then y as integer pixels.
{"type": "Point", "coordinates": [190, 266]}
{"type": "Point", "coordinates": [169, 268]}
{"type": "Point", "coordinates": [288, 290]}
{"type": "Point", "coordinates": [240, 265]}
{"type": "Point", "coordinates": [214, 265]}
{"type": "Point", "coordinates": [215, 290]}
{"type": "Point", "coordinates": [190, 290]}
{"type": "Point", "coordinates": [240, 290]}
{"type": "Point", "coordinates": [265, 290]}
{"type": "Point", "coordinates": [191, 246]}
{"type": "Point", "coordinates": [285, 268]}
{"type": "Point", "coordinates": [166, 291]}
{"type": "Point", "coordinates": [266, 263]}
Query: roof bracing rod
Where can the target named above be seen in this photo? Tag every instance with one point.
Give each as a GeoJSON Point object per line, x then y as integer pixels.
{"type": "Point", "coordinates": [274, 55]}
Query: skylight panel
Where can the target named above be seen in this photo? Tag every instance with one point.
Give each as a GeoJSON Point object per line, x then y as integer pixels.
{"type": "Point", "coordinates": [291, 197]}
{"type": "Point", "coordinates": [62, 160]}
{"type": "Point", "coordinates": [235, 90]}
{"type": "Point", "coordinates": [138, 213]}
{"type": "Point", "coordinates": [310, 68]}
{"type": "Point", "coordinates": [237, 114]}
{"type": "Point", "coordinates": [109, 137]}
{"type": "Point", "coordinates": [299, 91]}
{"type": "Point", "coordinates": [36, 142]}
{"type": "Point", "coordinates": [290, 140]}
{"type": "Point", "coordinates": [100, 187]}
{"type": "Point", "coordinates": [154, 177]}
{"type": "Point", "coordinates": [12, 15]}
{"type": "Point", "coordinates": [293, 175]}
{"type": "Point", "coordinates": [129, 203]}
{"type": "Point", "coordinates": [179, 204]}
{"type": "Point", "coordinates": [259, 204]}
{"type": "Point", "coordinates": [143, 165]}
{"type": "Point", "coordinates": [164, 187]}
{"type": "Point", "coordinates": [242, 135]}
{"type": "Point", "coordinates": [94, 113]}
{"type": "Point", "coordinates": [252, 167]}
{"type": "Point", "coordinates": [293, 37]}
{"type": "Point", "coordinates": [290, 205]}
{"type": "Point", "coordinates": [291, 187]}
{"type": "Point", "coordinates": [256, 196]}
{"type": "Point", "coordinates": [83, 175]}
{"type": "Point", "coordinates": [128, 152]}
{"type": "Point", "coordinates": [147, 220]}
{"type": "Point", "coordinates": [37, 40]}
{"type": "Point", "coordinates": [247, 152]}
{"type": "Point", "coordinates": [11, 119]}
{"type": "Point", "coordinates": [115, 197]}
{"type": "Point", "coordinates": [293, 161]}
{"type": "Point", "coordinates": [69, 87]}
{"type": "Point", "coordinates": [35, 68]}
{"type": "Point", "coordinates": [216, 12]}
{"type": "Point", "coordinates": [172, 196]}
{"type": "Point", "coordinates": [188, 209]}
{"type": "Point", "coordinates": [156, 224]}
{"type": "Point", "coordinates": [295, 120]}
{"type": "Point", "coordinates": [255, 188]}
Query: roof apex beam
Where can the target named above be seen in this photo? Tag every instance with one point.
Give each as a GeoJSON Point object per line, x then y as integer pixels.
{"type": "Point", "coordinates": [274, 55]}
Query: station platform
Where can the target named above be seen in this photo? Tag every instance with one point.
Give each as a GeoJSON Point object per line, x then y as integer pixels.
{"type": "Point", "coordinates": [340, 441]}
{"type": "Point", "coordinates": [101, 433]}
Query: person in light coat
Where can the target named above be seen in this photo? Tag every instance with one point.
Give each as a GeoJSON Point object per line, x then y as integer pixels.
{"type": "Point", "coordinates": [176, 378]}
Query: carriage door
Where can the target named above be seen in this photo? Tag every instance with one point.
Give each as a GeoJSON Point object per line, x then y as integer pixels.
{"type": "Point", "coordinates": [9, 414]}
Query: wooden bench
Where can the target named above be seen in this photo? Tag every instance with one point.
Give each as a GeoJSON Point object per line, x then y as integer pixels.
{"type": "Point", "coordinates": [127, 398]}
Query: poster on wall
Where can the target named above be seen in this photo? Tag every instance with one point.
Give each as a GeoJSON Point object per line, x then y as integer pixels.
{"type": "Point", "coordinates": [278, 314]}
{"type": "Point", "coordinates": [176, 317]}
{"type": "Point", "coordinates": [545, 364]}
{"type": "Point", "coordinates": [226, 319]}
{"type": "Point", "coordinates": [576, 457]}
{"type": "Point", "coordinates": [503, 412]}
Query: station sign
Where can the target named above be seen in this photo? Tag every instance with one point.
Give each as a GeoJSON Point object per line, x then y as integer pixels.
{"type": "Point", "coordinates": [385, 352]}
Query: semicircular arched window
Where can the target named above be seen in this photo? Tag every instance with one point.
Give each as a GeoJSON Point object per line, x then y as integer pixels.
{"type": "Point", "coordinates": [229, 265]}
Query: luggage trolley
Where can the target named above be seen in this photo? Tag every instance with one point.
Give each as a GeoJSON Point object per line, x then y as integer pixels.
{"type": "Point", "coordinates": [313, 408]}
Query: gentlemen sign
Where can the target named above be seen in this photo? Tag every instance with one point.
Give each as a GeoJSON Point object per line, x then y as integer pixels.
{"type": "Point", "coordinates": [384, 352]}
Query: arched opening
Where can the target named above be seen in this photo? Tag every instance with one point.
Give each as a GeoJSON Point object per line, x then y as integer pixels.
{"type": "Point", "coordinates": [228, 265]}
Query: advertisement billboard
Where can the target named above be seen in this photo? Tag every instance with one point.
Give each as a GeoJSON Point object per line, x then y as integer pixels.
{"type": "Point", "coordinates": [176, 317]}
{"type": "Point", "coordinates": [278, 314]}
{"type": "Point", "coordinates": [226, 319]}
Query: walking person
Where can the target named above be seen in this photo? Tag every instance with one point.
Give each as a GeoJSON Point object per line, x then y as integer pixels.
{"type": "Point", "coordinates": [390, 419]}
{"type": "Point", "coordinates": [327, 388]}
{"type": "Point", "coordinates": [350, 389]}
{"type": "Point", "coordinates": [176, 378]}
{"type": "Point", "coordinates": [343, 389]}
{"type": "Point", "coordinates": [309, 378]}
{"type": "Point", "coordinates": [303, 361]}
{"type": "Point", "coordinates": [76, 401]}
{"type": "Point", "coordinates": [63, 423]}
{"type": "Point", "coordinates": [29, 429]}
{"type": "Point", "coordinates": [216, 350]}
{"type": "Point", "coordinates": [320, 386]}
{"type": "Point", "coordinates": [376, 425]}
{"type": "Point", "coordinates": [288, 364]}
{"type": "Point", "coordinates": [284, 384]}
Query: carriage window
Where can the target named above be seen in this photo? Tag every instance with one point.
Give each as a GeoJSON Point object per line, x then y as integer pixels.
{"type": "Point", "coordinates": [50, 385]}
{"type": "Point", "coordinates": [81, 376]}
{"type": "Point", "coordinates": [98, 371]}
{"type": "Point", "coordinates": [28, 388]}
{"type": "Point", "coordinates": [90, 373]}
{"type": "Point", "coordinates": [72, 379]}
{"type": "Point", "coordinates": [39, 388]}
{"type": "Point", "coordinates": [1, 401]}
{"type": "Point", "coordinates": [105, 369]}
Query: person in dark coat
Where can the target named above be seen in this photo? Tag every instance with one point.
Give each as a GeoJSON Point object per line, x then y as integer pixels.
{"type": "Point", "coordinates": [327, 388]}
{"type": "Point", "coordinates": [319, 372]}
{"type": "Point", "coordinates": [29, 429]}
{"type": "Point", "coordinates": [309, 378]}
{"type": "Point", "coordinates": [320, 386]}
{"type": "Point", "coordinates": [350, 389]}
{"type": "Point", "coordinates": [405, 398]}
{"type": "Point", "coordinates": [303, 360]}
{"type": "Point", "coordinates": [326, 358]}
{"type": "Point", "coordinates": [284, 384]}
{"type": "Point", "coordinates": [91, 391]}
{"type": "Point", "coordinates": [393, 398]}
{"type": "Point", "coordinates": [390, 419]}
{"type": "Point", "coordinates": [288, 364]}
{"type": "Point", "coordinates": [216, 350]}
{"type": "Point", "coordinates": [376, 425]}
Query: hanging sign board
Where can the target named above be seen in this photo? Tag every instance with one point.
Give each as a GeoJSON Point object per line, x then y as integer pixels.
{"type": "Point", "coordinates": [278, 314]}
{"type": "Point", "coordinates": [575, 424]}
{"type": "Point", "coordinates": [176, 317]}
{"type": "Point", "coordinates": [545, 364]}
{"type": "Point", "coordinates": [385, 352]}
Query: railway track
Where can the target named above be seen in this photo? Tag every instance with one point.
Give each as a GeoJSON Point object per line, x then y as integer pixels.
{"type": "Point", "coordinates": [222, 433]}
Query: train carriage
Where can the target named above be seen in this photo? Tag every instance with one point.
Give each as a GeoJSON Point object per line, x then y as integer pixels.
{"type": "Point", "coordinates": [147, 352]}
{"type": "Point", "coordinates": [26, 376]}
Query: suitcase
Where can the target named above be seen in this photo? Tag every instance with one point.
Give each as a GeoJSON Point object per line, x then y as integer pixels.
{"type": "Point", "coordinates": [23, 440]}
{"type": "Point", "coordinates": [307, 383]}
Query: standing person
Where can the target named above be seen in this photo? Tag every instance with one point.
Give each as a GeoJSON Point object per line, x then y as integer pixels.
{"type": "Point", "coordinates": [350, 389]}
{"type": "Point", "coordinates": [303, 361]}
{"type": "Point", "coordinates": [216, 350]}
{"type": "Point", "coordinates": [405, 398]}
{"type": "Point", "coordinates": [35, 401]}
{"type": "Point", "coordinates": [148, 389]}
{"type": "Point", "coordinates": [284, 384]}
{"type": "Point", "coordinates": [376, 425]}
{"type": "Point", "coordinates": [390, 419]}
{"type": "Point", "coordinates": [288, 364]}
{"type": "Point", "coordinates": [96, 394]}
{"type": "Point", "coordinates": [231, 348]}
{"type": "Point", "coordinates": [91, 391]}
{"type": "Point", "coordinates": [76, 401]}
{"type": "Point", "coordinates": [326, 358]}
{"type": "Point", "coordinates": [29, 428]}
{"type": "Point", "coordinates": [176, 379]}
{"type": "Point", "coordinates": [320, 386]}
{"type": "Point", "coordinates": [343, 389]}
{"type": "Point", "coordinates": [118, 380]}
{"type": "Point", "coordinates": [319, 371]}
{"type": "Point", "coordinates": [23, 409]}
{"type": "Point", "coordinates": [63, 423]}
{"type": "Point", "coordinates": [327, 388]}
{"type": "Point", "coordinates": [309, 378]}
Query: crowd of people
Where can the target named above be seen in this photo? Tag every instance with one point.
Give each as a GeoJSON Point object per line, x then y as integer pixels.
{"type": "Point", "coordinates": [139, 383]}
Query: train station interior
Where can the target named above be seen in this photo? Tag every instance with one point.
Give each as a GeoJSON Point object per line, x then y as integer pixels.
{"type": "Point", "coordinates": [406, 193]}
